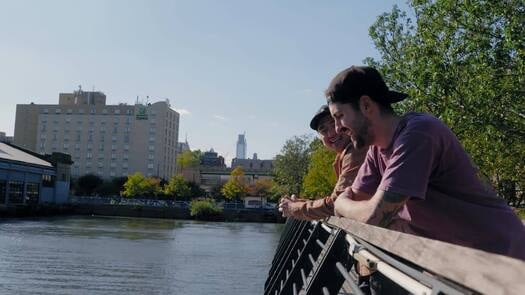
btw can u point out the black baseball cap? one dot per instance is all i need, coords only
(321, 113)
(357, 81)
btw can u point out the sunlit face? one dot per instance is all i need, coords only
(352, 123)
(330, 138)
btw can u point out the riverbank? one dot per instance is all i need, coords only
(227, 215)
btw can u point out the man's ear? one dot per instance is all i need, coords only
(365, 105)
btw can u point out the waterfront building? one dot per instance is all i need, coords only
(5, 138)
(27, 178)
(253, 164)
(106, 140)
(212, 159)
(241, 147)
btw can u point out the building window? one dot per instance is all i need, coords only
(48, 180)
(16, 192)
(151, 148)
(93, 111)
(89, 155)
(113, 164)
(57, 111)
(2, 191)
(126, 147)
(117, 111)
(104, 111)
(81, 111)
(113, 138)
(113, 156)
(45, 111)
(151, 156)
(150, 166)
(69, 111)
(32, 192)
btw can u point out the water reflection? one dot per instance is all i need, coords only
(106, 255)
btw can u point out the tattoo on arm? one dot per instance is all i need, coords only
(388, 206)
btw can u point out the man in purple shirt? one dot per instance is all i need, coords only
(416, 177)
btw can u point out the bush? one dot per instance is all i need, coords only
(204, 208)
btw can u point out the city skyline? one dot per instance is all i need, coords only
(225, 67)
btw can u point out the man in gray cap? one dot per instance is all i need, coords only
(416, 177)
(346, 165)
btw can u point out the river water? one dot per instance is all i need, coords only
(108, 255)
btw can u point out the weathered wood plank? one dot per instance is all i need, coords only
(478, 270)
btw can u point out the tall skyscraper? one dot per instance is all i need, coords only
(241, 147)
(107, 140)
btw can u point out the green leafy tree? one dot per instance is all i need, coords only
(236, 186)
(320, 179)
(178, 188)
(261, 187)
(291, 165)
(138, 185)
(88, 183)
(189, 159)
(463, 61)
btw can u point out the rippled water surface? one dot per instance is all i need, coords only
(106, 255)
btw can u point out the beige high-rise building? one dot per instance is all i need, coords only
(107, 140)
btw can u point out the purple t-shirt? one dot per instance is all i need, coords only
(448, 201)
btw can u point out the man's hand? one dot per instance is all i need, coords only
(288, 206)
(341, 200)
(380, 210)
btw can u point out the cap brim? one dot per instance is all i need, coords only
(394, 96)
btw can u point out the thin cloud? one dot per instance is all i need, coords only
(222, 118)
(183, 112)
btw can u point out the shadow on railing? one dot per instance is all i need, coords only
(320, 258)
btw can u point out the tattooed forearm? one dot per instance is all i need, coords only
(388, 205)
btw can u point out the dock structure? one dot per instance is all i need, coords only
(321, 258)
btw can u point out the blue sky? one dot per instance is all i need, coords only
(229, 67)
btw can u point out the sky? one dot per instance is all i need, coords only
(228, 67)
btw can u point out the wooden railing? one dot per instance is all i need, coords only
(481, 271)
(319, 258)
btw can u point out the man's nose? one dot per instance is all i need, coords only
(338, 127)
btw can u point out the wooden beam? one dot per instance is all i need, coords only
(475, 269)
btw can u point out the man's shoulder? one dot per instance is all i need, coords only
(353, 155)
(421, 122)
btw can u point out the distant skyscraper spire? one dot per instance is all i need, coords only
(241, 146)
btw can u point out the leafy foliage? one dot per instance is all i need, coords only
(178, 188)
(88, 183)
(463, 61)
(204, 208)
(291, 164)
(138, 185)
(320, 179)
(261, 187)
(236, 186)
(189, 159)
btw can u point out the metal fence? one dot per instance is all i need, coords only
(315, 258)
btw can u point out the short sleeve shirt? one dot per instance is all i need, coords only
(448, 201)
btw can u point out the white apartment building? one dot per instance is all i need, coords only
(106, 140)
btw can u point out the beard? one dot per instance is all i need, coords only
(362, 136)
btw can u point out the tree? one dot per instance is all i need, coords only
(88, 183)
(236, 186)
(320, 178)
(195, 190)
(260, 188)
(292, 163)
(138, 185)
(178, 188)
(189, 159)
(463, 61)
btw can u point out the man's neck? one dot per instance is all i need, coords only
(385, 129)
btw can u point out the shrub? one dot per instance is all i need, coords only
(204, 208)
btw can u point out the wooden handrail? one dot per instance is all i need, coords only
(475, 269)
